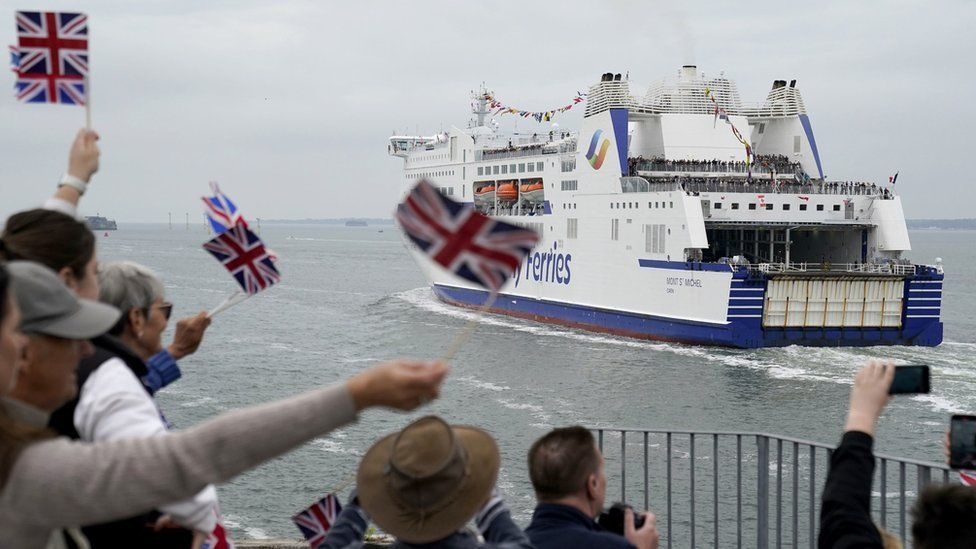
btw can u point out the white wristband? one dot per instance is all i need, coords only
(72, 181)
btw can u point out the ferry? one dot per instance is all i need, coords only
(685, 215)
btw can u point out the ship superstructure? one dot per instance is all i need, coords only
(686, 215)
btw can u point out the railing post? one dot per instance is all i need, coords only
(762, 492)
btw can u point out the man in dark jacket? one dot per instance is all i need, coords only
(567, 472)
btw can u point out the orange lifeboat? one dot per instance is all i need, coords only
(532, 191)
(507, 191)
(529, 187)
(485, 194)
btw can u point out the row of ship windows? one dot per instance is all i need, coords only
(511, 168)
(636, 205)
(655, 235)
(569, 206)
(428, 157)
(752, 206)
(428, 174)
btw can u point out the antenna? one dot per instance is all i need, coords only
(170, 214)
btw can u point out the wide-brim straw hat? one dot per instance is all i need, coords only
(427, 481)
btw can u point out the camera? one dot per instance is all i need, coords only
(612, 520)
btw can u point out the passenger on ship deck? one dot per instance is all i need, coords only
(48, 483)
(944, 515)
(423, 485)
(570, 482)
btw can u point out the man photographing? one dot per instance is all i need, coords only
(570, 482)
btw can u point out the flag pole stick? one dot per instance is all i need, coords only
(233, 299)
(469, 328)
(87, 103)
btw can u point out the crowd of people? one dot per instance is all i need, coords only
(87, 458)
(760, 164)
(693, 185)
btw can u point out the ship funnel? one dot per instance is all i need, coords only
(689, 72)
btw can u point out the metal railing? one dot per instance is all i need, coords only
(745, 489)
(901, 269)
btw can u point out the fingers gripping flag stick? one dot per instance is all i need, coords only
(315, 521)
(464, 241)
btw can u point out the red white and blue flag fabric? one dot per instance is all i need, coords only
(244, 255)
(463, 240)
(218, 539)
(893, 178)
(315, 521)
(220, 211)
(968, 478)
(52, 57)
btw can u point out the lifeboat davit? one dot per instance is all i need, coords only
(507, 191)
(485, 194)
(532, 192)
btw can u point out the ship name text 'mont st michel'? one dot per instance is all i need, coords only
(654, 225)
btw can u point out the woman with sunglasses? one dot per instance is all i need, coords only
(115, 399)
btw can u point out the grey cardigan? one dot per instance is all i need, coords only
(60, 483)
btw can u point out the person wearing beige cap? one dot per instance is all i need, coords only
(58, 326)
(423, 485)
(49, 484)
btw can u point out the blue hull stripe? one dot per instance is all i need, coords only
(744, 328)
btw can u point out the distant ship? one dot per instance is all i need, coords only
(660, 221)
(99, 223)
(356, 223)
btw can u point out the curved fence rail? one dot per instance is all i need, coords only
(745, 489)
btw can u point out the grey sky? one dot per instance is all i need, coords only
(289, 104)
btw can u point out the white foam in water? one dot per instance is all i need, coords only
(236, 522)
(474, 382)
(332, 446)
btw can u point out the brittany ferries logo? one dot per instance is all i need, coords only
(596, 158)
(550, 266)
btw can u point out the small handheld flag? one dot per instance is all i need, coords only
(458, 237)
(315, 521)
(968, 478)
(52, 57)
(893, 178)
(244, 255)
(220, 211)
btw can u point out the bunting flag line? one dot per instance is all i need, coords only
(52, 57)
(721, 113)
(539, 116)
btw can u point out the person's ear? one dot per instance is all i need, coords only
(137, 319)
(27, 359)
(592, 486)
(68, 277)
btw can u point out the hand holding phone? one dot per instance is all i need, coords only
(962, 442)
(910, 380)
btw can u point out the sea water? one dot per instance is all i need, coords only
(351, 297)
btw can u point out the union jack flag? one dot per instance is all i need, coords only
(221, 212)
(52, 57)
(244, 255)
(315, 521)
(218, 539)
(468, 243)
(14, 58)
(968, 478)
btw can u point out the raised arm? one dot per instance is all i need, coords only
(61, 483)
(845, 517)
(82, 164)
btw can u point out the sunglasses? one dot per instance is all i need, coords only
(166, 309)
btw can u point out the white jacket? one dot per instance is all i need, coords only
(113, 405)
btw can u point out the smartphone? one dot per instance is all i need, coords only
(962, 442)
(910, 380)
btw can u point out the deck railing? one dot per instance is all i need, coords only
(901, 269)
(745, 489)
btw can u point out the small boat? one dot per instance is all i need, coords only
(485, 194)
(507, 192)
(532, 192)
